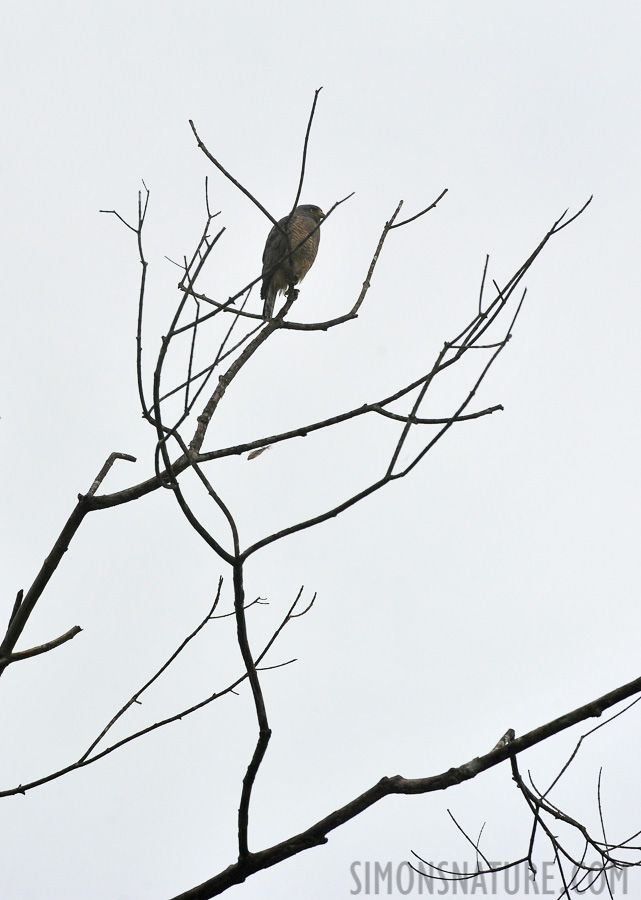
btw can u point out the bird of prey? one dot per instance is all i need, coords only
(279, 268)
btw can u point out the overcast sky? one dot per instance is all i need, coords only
(496, 587)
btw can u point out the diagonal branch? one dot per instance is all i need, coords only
(228, 175)
(316, 835)
(24, 605)
(135, 698)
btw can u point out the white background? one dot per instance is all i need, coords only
(496, 587)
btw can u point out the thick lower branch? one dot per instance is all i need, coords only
(316, 835)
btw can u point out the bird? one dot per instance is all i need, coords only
(279, 268)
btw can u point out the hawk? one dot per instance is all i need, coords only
(278, 274)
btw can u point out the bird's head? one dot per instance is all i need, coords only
(310, 210)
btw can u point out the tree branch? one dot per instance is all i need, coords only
(87, 760)
(41, 648)
(316, 834)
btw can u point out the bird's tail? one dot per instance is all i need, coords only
(268, 306)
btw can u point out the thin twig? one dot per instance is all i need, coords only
(305, 145)
(100, 477)
(422, 212)
(228, 175)
(135, 697)
(43, 648)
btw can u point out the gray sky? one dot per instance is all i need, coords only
(497, 587)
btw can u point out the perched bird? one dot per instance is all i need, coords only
(277, 271)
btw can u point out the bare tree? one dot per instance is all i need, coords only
(182, 413)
